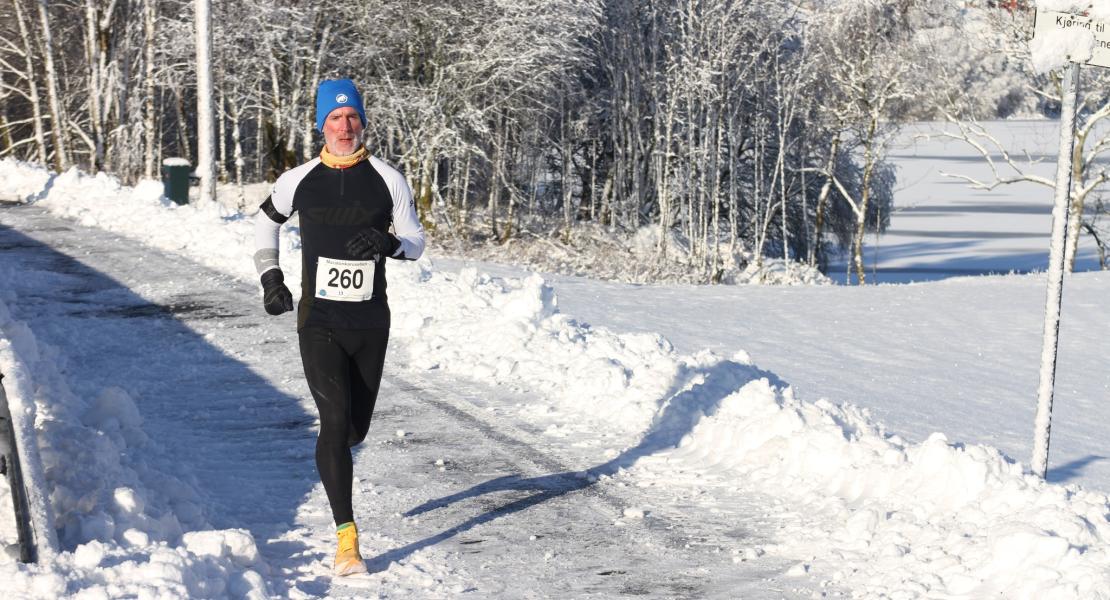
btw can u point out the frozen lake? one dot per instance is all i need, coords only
(942, 227)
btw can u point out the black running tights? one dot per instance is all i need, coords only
(343, 369)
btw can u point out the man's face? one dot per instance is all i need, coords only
(342, 131)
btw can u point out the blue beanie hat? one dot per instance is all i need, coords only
(336, 93)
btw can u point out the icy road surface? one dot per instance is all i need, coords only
(454, 492)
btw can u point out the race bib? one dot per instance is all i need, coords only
(344, 280)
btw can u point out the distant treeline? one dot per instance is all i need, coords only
(734, 126)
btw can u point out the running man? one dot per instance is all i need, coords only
(347, 201)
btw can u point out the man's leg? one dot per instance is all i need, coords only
(367, 362)
(326, 367)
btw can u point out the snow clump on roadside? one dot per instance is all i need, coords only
(893, 519)
(23, 182)
(125, 525)
(508, 332)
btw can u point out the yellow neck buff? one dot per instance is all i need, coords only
(343, 162)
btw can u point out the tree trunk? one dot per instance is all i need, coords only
(593, 180)
(565, 147)
(426, 191)
(865, 197)
(1078, 202)
(183, 145)
(95, 83)
(32, 84)
(1099, 243)
(494, 198)
(734, 152)
(259, 141)
(57, 116)
(237, 150)
(276, 127)
(715, 266)
(783, 194)
(221, 134)
(508, 229)
(309, 150)
(663, 147)
(817, 257)
(464, 194)
(805, 196)
(150, 134)
(495, 179)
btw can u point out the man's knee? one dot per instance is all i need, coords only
(355, 438)
(334, 429)
(356, 433)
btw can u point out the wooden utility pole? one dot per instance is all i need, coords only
(206, 164)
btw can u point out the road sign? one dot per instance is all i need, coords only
(1049, 22)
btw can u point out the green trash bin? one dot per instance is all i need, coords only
(175, 179)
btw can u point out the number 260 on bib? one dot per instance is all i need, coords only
(344, 280)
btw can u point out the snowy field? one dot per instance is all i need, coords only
(557, 436)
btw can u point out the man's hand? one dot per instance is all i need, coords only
(369, 243)
(275, 295)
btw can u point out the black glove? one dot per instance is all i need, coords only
(275, 295)
(369, 243)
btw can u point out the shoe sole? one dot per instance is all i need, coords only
(351, 567)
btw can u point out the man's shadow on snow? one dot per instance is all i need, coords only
(699, 392)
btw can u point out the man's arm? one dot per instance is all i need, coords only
(406, 225)
(275, 211)
(267, 239)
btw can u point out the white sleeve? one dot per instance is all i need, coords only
(406, 225)
(277, 209)
(266, 238)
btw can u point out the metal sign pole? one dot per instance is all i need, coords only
(1055, 294)
(14, 471)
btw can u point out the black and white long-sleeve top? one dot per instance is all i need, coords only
(339, 290)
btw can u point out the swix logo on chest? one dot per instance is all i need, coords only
(338, 215)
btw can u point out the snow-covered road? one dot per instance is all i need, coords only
(454, 492)
(518, 443)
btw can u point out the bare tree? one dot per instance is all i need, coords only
(57, 117)
(29, 75)
(1043, 91)
(1089, 171)
(869, 77)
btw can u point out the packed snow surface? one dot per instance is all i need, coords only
(855, 509)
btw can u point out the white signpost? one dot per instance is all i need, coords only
(1050, 24)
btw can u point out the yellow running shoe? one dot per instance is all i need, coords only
(348, 560)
